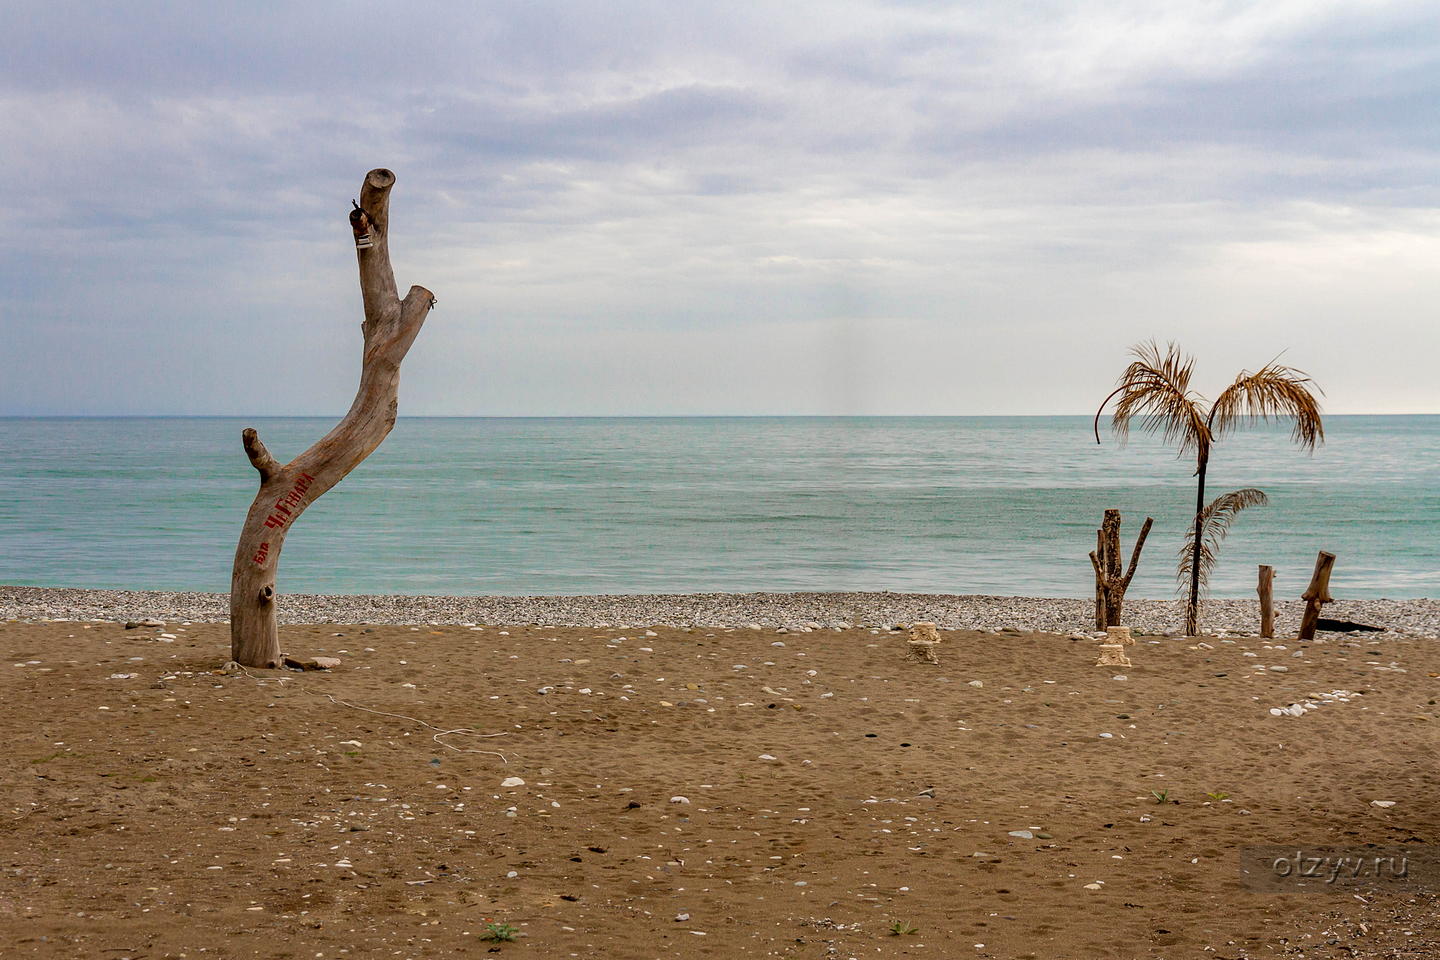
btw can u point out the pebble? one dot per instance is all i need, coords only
(679, 799)
(512, 782)
(977, 683)
(1022, 834)
(1382, 803)
(948, 611)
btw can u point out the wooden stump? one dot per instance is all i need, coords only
(390, 327)
(1316, 595)
(1111, 581)
(1266, 590)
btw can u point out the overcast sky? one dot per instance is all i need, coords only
(673, 208)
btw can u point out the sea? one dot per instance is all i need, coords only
(519, 506)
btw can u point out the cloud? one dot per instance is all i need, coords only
(834, 191)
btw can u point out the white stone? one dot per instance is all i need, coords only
(512, 782)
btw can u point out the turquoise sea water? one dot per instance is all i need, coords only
(996, 505)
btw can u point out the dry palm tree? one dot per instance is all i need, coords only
(1155, 390)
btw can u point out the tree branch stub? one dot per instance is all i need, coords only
(1111, 580)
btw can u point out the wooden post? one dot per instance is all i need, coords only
(390, 327)
(1266, 590)
(1317, 594)
(1110, 581)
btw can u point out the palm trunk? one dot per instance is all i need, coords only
(1192, 609)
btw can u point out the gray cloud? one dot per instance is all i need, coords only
(623, 201)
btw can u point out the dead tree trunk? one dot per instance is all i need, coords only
(1266, 589)
(1317, 594)
(1111, 581)
(390, 327)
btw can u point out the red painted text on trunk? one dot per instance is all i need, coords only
(289, 505)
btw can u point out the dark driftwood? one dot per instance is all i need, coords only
(390, 327)
(1316, 595)
(1111, 581)
(1266, 590)
(1346, 626)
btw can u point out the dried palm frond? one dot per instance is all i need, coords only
(1215, 523)
(1156, 390)
(1273, 392)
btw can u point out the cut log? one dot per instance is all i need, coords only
(1110, 581)
(286, 490)
(1316, 595)
(1266, 590)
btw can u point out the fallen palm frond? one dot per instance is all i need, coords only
(1215, 522)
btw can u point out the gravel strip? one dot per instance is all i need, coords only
(771, 610)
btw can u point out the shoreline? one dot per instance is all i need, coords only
(795, 611)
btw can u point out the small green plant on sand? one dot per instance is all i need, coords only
(900, 928)
(1218, 795)
(1161, 796)
(498, 932)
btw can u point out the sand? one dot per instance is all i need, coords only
(155, 807)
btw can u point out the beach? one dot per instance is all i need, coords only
(799, 611)
(710, 775)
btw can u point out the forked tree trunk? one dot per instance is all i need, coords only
(1111, 581)
(390, 327)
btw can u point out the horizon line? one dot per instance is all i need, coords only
(596, 416)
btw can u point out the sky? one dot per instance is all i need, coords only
(660, 208)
